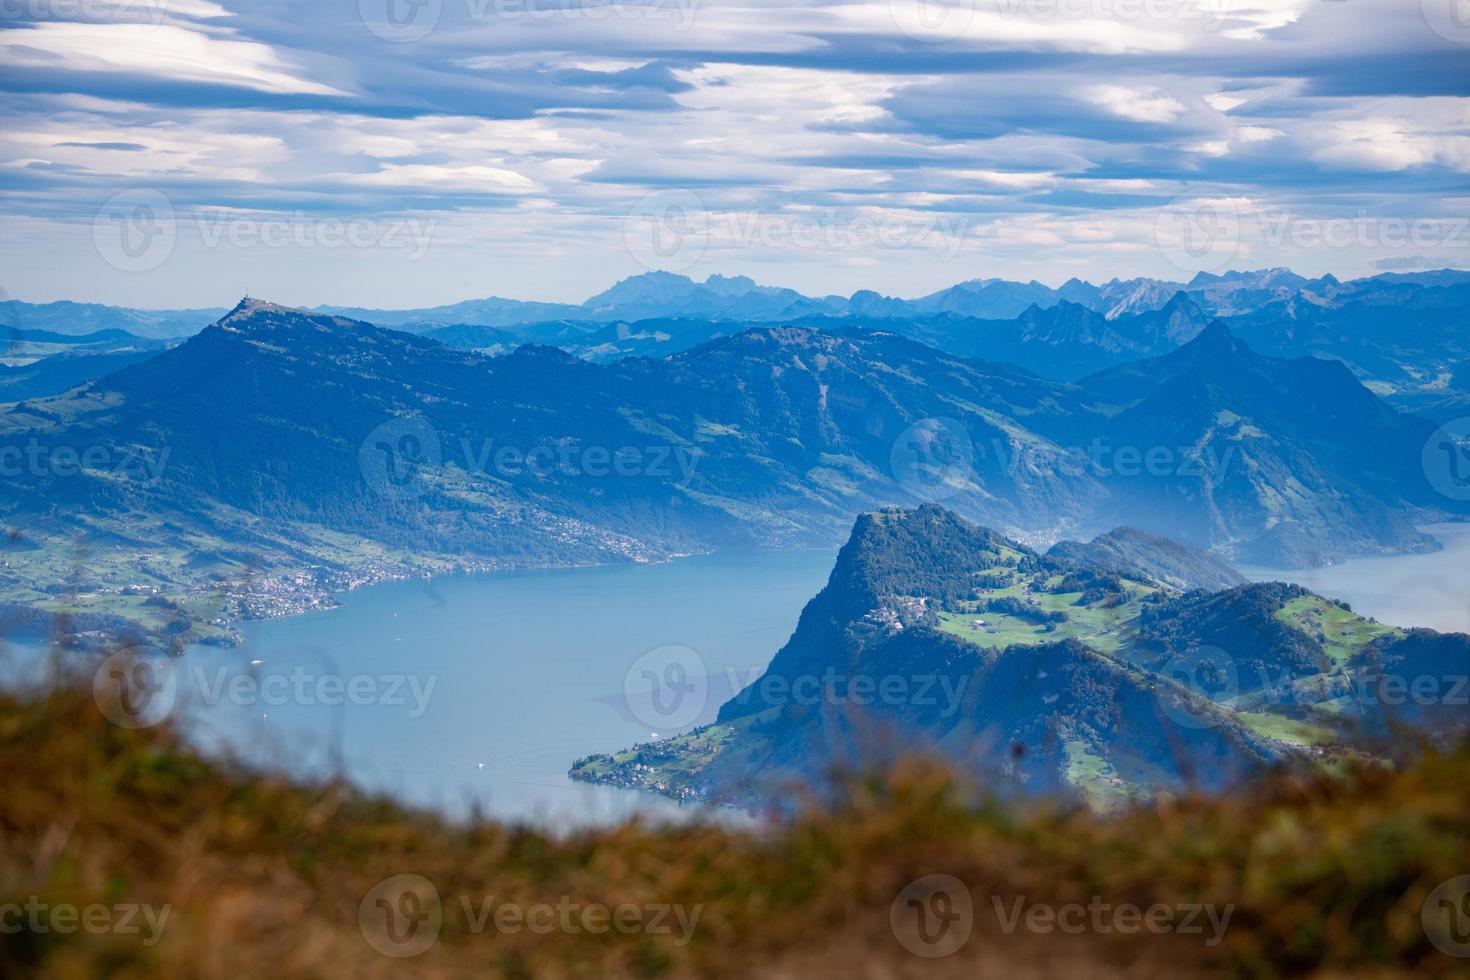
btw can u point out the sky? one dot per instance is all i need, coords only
(408, 153)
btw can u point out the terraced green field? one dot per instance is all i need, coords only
(1344, 634)
(1283, 729)
(1104, 626)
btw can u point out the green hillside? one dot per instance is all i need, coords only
(1064, 672)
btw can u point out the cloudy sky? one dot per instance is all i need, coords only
(413, 152)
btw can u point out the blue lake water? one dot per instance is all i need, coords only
(483, 689)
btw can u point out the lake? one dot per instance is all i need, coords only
(482, 690)
(1413, 590)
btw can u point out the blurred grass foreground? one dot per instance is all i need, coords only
(126, 853)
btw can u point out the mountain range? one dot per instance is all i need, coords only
(739, 298)
(304, 452)
(35, 363)
(1401, 334)
(1094, 669)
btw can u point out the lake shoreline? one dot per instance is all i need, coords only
(315, 599)
(1407, 591)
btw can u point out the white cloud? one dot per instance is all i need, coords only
(1014, 180)
(1138, 104)
(163, 51)
(1255, 134)
(476, 179)
(1255, 18)
(1394, 134)
(1012, 24)
(1224, 101)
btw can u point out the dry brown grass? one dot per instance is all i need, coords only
(264, 878)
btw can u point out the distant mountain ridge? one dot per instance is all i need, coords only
(37, 363)
(1401, 333)
(664, 294)
(65, 317)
